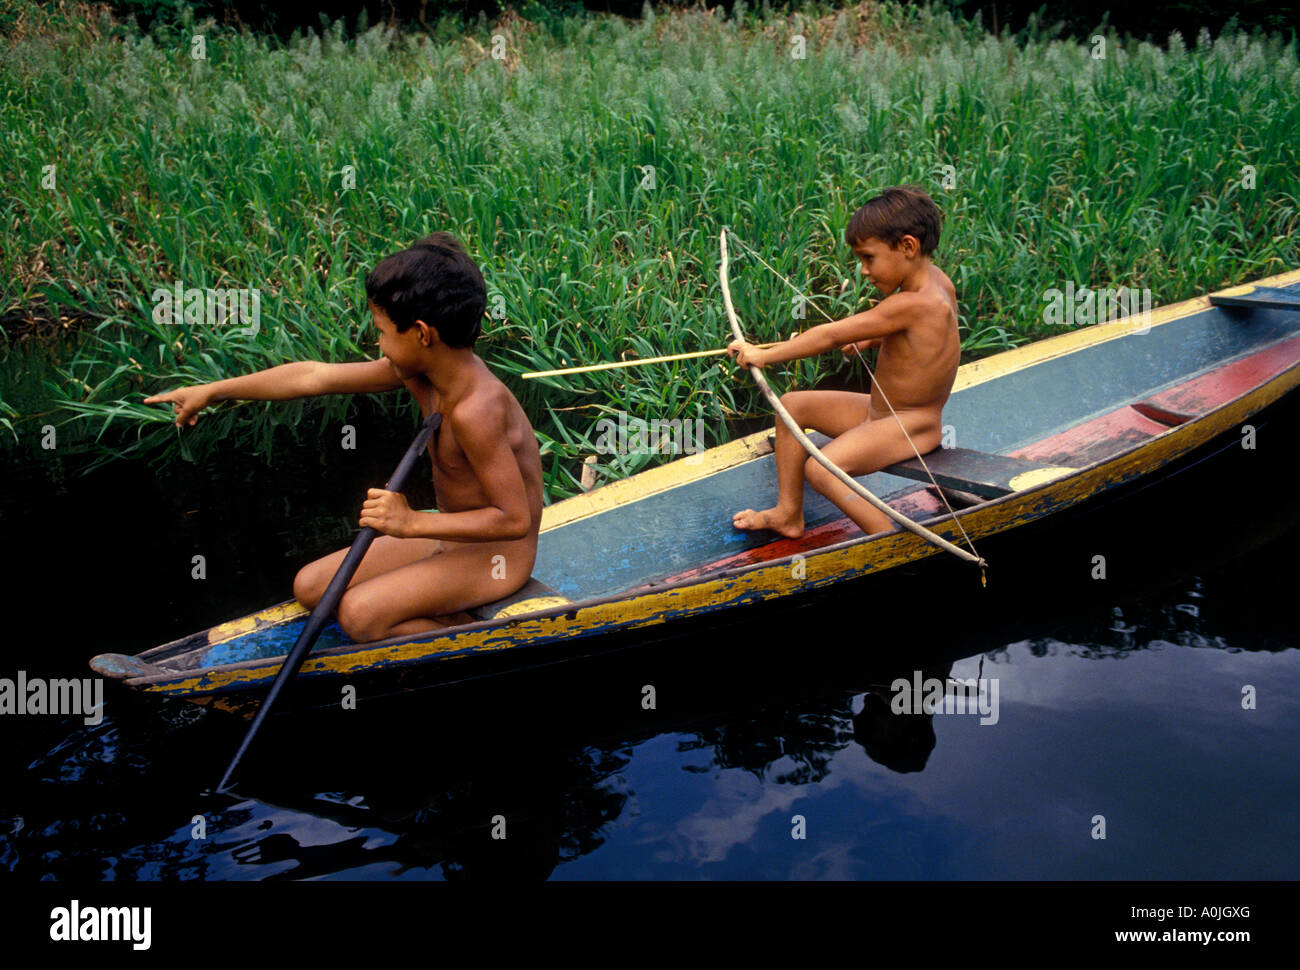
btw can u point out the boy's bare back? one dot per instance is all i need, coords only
(917, 365)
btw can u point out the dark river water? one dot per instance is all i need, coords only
(1158, 706)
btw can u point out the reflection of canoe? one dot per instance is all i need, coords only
(1037, 430)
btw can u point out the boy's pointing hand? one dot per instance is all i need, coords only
(186, 402)
(387, 512)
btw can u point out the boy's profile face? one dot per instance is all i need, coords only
(883, 266)
(401, 349)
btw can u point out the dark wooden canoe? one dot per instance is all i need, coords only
(1038, 430)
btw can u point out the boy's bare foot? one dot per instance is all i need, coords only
(774, 519)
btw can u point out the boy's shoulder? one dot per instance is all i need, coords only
(487, 402)
(943, 283)
(938, 297)
(918, 306)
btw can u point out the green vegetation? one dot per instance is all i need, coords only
(231, 171)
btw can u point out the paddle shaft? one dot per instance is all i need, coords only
(333, 593)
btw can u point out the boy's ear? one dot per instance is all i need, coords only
(433, 335)
(910, 246)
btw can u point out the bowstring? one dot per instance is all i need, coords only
(875, 386)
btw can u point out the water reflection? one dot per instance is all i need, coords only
(564, 763)
(1122, 698)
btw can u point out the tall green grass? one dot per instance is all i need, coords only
(1121, 171)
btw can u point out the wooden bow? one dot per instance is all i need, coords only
(811, 448)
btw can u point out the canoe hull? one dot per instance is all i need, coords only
(1095, 459)
(1037, 531)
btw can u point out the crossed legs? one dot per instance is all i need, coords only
(408, 586)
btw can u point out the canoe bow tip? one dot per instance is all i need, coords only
(118, 666)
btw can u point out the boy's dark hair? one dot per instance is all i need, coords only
(435, 281)
(895, 213)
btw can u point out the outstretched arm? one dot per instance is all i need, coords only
(304, 378)
(888, 316)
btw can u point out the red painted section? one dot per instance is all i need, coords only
(1114, 432)
(1207, 392)
(1093, 440)
(918, 504)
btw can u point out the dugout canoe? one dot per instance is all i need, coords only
(1035, 432)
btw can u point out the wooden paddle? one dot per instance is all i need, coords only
(333, 593)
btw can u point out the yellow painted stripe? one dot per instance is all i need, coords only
(1038, 476)
(272, 615)
(999, 365)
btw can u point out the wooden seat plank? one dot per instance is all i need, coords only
(1269, 297)
(533, 595)
(978, 472)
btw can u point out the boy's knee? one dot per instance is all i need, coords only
(307, 588)
(793, 400)
(928, 440)
(356, 620)
(815, 475)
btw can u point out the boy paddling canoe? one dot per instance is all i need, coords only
(427, 303)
